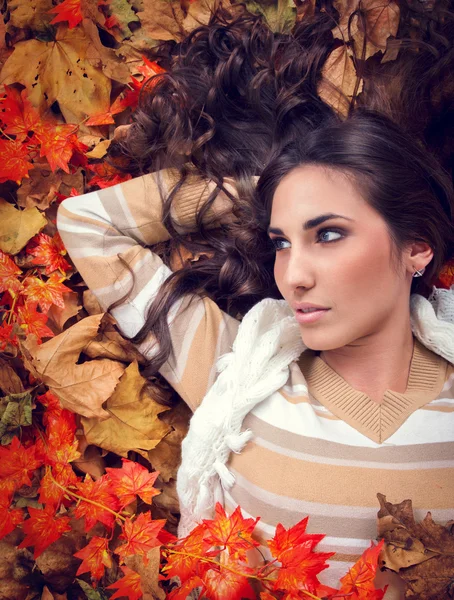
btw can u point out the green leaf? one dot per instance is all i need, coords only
(90, 592)
(279, 14)
(15, 412)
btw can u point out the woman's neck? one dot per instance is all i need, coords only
(377, 363)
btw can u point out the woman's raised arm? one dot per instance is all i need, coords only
(108, 233)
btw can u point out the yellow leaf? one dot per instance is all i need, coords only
(82, 388)
(60, 71)
(134, 423)
(17, 227)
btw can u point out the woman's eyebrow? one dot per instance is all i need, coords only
(315, 222)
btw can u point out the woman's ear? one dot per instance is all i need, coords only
(418, 256)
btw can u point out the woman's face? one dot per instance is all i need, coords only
(334, 252)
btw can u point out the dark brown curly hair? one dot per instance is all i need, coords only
(236, 95)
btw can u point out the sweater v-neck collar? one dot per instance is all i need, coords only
(376, 421)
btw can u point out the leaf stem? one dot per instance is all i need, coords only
(74, 495)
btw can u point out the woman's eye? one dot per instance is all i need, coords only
(325, 236)
(280, 244)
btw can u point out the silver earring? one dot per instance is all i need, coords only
(419, 273)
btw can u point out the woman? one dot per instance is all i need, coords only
(339, 391)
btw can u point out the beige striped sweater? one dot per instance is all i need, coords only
(320, 448)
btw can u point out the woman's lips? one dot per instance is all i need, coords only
(310, 317)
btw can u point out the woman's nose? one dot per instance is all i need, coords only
(300, 272)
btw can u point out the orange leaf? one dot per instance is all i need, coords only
(49, 492)
(52, 404)
(8, 275)
(185, 563)
(58, 143)
(10, 518)
(100, 492)
(128, 586)
(14, 163)
(95, 557)
(285, 539)
(7, 337)
(133, 480)
(68, 10)
(16, 463)
(19, 116)
(231, 532)
(43, 528)
(446, 275)
(45, 293)
(49, 252)
(222, 583)
(33, 322)
(300, 565)
(107, 175)
(141, 535)
(358, 583)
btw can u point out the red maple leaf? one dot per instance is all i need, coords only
(14, 163)
(49, 252)
(17, 462)
(7, 337)
(46, 293)
(185, 563)
(107, 175)
(358, 583)
(8, 275)
(60, 443)
(221, 583)
(133, 480)
(95, 557)
(68, 10)
(285, 539)
(58, 143)
(50, 492)
(300, 565)
(233, 532)
(52, 404)
(10, 518)
(98, 491)
(33, 322)
(128, 586)
(141, 535)
(19, 116)
(43, 528)
(445, 278)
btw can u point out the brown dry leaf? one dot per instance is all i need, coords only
(10, 382)
(18, 577)
(91, 460)
(41, 187)
(100, 150)
(17, 227)
(381, 19)
(149, 574)
(48, 595)
(160, 20)
(421, 553)
(58, 564)
(181, 257)
(58, 316)
(166, 457)
(124, 16)
(339, 80)
(134, 423)
(60, 71)
(82, 388)
(105, 58)
(91, 303)
(110, 344)
(30, 14)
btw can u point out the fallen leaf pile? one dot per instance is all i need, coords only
(88, 455)
(421, 553)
